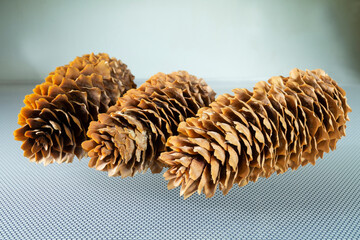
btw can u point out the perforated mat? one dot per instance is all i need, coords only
(74, 201)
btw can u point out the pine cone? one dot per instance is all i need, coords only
(289, 122)
(131, 135)
(56, 116)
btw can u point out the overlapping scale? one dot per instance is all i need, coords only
(57, 114)
(285, 123)
(131, 135)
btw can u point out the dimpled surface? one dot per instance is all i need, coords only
(74, 201)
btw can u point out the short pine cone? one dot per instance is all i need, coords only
(289, 122)
(131, 135)
(56, 116)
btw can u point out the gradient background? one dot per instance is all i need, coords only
(231, 40)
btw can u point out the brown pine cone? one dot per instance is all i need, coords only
(56, 116)
(289, 122)
(131, 135)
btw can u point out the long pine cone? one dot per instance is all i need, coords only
(131, 135)
(288, 122)
(57, 114)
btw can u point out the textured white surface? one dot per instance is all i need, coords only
(74, 201)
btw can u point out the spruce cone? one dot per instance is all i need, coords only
(289, 122)
(56, 116)
(131, 135)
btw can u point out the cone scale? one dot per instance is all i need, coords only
(57, 114)
(131, 135)
(283, 124)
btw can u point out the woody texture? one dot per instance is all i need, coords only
(283, 124)
(57, 114)
(131, 135)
